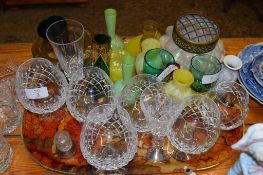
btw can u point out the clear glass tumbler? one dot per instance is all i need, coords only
(67, 39)
(6, 154)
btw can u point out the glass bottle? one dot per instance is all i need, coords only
(180, 86)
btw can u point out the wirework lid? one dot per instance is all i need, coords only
(196, 34)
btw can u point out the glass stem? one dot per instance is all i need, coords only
(157, 142)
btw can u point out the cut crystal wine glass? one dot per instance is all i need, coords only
(10, 115)
(130, 99)
(159, 110)
(197, 127)
(89, 87)
(232, 100)
(40, 86)
(108, 139)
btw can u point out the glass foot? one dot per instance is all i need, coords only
(157, 155)
(121, 171)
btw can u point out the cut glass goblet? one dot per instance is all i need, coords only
(130, 99)
(10, 115)
(159, 110)
(108, 139)
(232, 100)
(40, 86)
(89, 87)
(197, 127)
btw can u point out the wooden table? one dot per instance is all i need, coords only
(22, 162)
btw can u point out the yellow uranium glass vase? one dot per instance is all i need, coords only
(180, 86)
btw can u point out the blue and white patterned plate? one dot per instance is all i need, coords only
(246, 77)
(257, 69)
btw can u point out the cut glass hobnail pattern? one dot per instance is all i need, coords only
(130, 99)
(89, 87)
(5, 71)
(232, 100)
(10, 114)
(197, 127)
(40, 86)
(159, 109)
(108, 140)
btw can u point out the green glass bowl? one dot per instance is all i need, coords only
(156, 60)
(205, 69)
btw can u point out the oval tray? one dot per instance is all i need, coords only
(38, 133)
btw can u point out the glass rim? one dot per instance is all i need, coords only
(28, 63)
(206, 99)
(210, 56)
(153, 50)
(61, 44)
(234, 83)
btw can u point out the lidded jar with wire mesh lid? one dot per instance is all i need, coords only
(192, 34)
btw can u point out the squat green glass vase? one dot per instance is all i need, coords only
(205, 69)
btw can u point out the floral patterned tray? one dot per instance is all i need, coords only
(38, 133)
